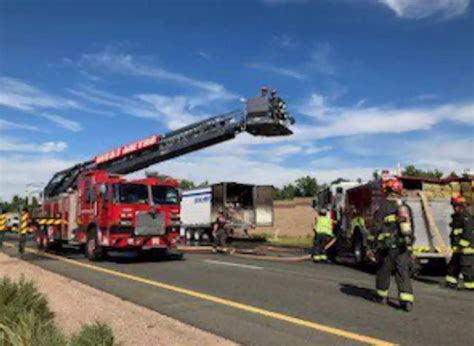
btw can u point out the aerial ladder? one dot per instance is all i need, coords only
(260, 118)
(93, 206)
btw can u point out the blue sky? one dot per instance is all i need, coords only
(372, 83)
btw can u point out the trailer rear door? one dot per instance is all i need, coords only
(263, 205)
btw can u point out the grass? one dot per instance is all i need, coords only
(97, 334)
(26, 319)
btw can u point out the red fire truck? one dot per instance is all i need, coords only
(92, 205)
(430, 222)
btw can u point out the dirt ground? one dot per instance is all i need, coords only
(132, 324)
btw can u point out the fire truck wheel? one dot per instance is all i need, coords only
(358, 249)
(94, 251)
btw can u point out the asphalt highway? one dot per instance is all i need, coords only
(273, 303)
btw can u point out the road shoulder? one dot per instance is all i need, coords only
(75, 304)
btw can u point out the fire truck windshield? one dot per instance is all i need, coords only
(131, 193)
(164, 195)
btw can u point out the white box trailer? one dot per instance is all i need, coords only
(246, 207)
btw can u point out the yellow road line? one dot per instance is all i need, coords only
(225, 302)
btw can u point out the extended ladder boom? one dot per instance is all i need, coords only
(260, 119)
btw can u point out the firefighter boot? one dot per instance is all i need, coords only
(380, 297)
(407, 306)
(380, 300)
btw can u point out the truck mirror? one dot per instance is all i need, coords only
(103, 190)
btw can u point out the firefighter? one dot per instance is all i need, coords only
(264, 91)
(3, 226)
(277, 105)
(220, 232)
(25, 224)
(462, 240)
(357, 221)
(393, 246)
(323, 235)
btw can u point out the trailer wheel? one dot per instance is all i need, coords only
(358, 250)
(189, 234)
(205, 236)
(197, 235)
(94, 252)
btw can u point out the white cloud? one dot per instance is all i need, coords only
(128, 105)
(313, 149)
(287, 72)
(425, 97)
(89, 76)
(17, 94)
(417, 9)
(280, 152)
(446, 154)
(286, 41)
(128, 65)
(226, 168)
(314, 106)
(345, 121)
(7, 125)
(195, 168)
(204, 55)
(172, 111)
(320, 61)
(18, 170)
(63, 122)
(16, 145)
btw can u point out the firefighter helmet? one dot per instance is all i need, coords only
(264, 89)
(393, 185)
(274, 91)
(458, 200)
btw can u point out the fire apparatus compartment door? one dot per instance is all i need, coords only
(263, 205)
(441, 214)
(72, 216)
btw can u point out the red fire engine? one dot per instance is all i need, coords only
(92, 205)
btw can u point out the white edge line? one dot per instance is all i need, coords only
(234, 264)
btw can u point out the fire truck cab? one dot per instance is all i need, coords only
(108, 213)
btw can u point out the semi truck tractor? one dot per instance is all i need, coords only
(93, 205)
(245, 206)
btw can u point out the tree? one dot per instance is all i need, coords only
(306, 186)
(412, 171)
(453, 175)
(302, 187)
(375, 174)
(205, 183)
(286, 192)
(186, 184)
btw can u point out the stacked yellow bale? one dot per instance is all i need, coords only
(437, 190)
(467, 191)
